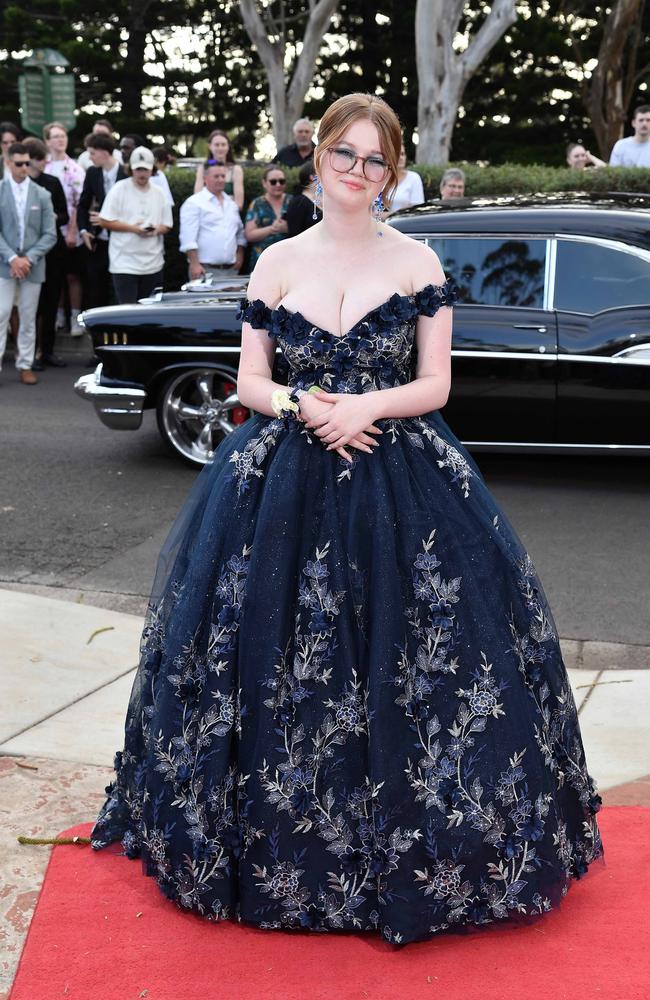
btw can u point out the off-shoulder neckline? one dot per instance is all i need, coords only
(282, 310)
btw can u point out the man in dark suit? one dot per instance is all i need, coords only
(54, 260)
(100, 178)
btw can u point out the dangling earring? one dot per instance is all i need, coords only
(317, 200)
(377, 208)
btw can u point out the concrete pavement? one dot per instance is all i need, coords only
(65, 678)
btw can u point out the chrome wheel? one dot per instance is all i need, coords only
(197, 408)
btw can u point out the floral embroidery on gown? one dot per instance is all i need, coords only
(351, 710)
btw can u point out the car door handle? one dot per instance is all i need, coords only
(530, 326)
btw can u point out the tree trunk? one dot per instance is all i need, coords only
(613, 81)
(268, 35)
(442, 73)
(134, 76)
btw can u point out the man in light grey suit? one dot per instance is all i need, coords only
(27, 232)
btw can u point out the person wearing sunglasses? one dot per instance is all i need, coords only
(266, 216)
(27, 232)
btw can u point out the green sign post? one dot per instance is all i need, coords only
(46, 94)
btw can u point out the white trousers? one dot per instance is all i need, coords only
(23, 294)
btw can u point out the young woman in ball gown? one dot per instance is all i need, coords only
(351, 711)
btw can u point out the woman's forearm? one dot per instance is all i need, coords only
(256, 233)
(255, 392)
(238, 186)
(422, 395)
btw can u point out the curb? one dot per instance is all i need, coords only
(579, 654)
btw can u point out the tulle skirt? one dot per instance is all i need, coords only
(351, 710)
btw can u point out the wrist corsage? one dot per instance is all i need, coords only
(283, 405)
(287, 404)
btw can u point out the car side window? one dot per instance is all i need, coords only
(590, 277)
(494, 272)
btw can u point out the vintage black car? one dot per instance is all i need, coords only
(551, 344)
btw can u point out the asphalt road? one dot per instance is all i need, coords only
(86, 508)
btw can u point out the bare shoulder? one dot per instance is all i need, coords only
(419, 261)
(268, 280)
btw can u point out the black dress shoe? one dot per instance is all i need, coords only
(54, 361)
(38, 366)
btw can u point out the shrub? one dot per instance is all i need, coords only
(513, 178)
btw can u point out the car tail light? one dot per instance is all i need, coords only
(239, 414)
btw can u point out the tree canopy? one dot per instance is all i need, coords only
(174, 69)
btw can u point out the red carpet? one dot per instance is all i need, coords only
(102, 931)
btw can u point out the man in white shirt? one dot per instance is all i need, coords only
(634, 150)
(27, 232)
(211, 231)
(137, 216)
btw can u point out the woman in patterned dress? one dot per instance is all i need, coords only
(265, 222)
(351, 711)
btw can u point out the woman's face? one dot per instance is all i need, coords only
(577, 158)
(274, 183)
(57, 141)
(219, 148)
(6, 141)
(352, 188)
(401, 163)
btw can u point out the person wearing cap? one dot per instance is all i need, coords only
(137, 216)
(211, 232)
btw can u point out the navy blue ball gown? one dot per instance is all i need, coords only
(351, 710)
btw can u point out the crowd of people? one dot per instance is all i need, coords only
(80, 233)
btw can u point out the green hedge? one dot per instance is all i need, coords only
(510, 178)
(513, 178)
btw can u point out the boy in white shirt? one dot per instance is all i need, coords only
(634, 150)
(137, 216)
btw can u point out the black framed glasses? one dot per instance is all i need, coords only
(344, 160)
(21, 163)
(277, 180)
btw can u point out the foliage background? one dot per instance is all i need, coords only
(174, 68)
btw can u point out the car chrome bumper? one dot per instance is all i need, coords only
(117, 407)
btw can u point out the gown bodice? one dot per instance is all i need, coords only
(375, 353)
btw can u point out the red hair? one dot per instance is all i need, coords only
(355, 107)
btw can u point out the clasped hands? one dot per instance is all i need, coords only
(340, 419)
(20, 267)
